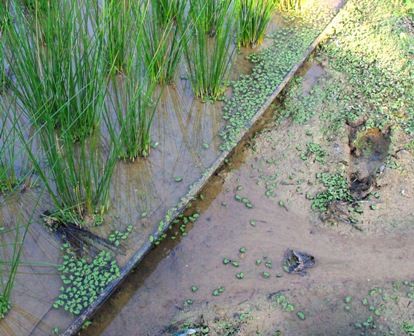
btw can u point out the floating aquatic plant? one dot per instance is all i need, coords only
(84, 280)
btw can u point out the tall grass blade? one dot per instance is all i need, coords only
(167, 10)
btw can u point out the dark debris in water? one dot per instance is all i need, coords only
(297, 262)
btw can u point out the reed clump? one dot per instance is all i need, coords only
(119, 28)
(253, 19)
(164, 36)
(58, 66)
(209, 58)
(133, 102)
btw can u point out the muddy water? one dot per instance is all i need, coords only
(154, 296)
(162, 283)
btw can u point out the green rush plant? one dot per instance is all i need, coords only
(253, 19)
(211, 13)
(134, 113)
(119, 25)
(131, 97)
(290, 5)
(33, 5)
(2, 66)
(168, 10)
(209, 59)
(59, 66)
(77, 174)
(4, 21)
(164, 37)
(4, 6)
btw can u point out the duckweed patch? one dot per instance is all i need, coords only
(283, 302)
(377, 64)
(84, 281)
(271, 65)
(117, 236)
(337, 189)
(314, 151)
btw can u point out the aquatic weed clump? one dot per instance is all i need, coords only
(337, 189)
(271, 66)
(84, 281)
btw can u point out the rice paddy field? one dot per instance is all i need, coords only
(190, 167)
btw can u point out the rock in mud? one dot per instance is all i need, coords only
(297, 262)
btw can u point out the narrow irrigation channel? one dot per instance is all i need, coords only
(313, 178)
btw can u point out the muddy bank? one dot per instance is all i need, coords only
(264, 173)
(315, 178)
